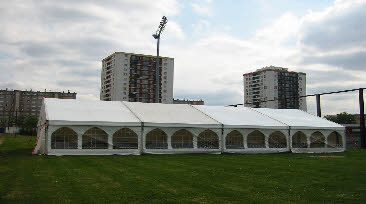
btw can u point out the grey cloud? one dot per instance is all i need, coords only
(353, 61)
(336, 75)
(83, 83)
(54, 14)
(82, 72)
(340, 30)
(38, 49)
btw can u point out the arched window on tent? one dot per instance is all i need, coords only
(335, 140)
(182, 139)
(277, 140)
(125, 138)
(95, 138)
(317, 140)
(156, 139)
(234, 140)
(299, 140)
(256, 139)
(64, 138)
(208, 140)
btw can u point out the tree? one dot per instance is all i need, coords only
(27, 124)
(342, 118)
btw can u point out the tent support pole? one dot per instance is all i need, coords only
(289, 139)
(141, 148)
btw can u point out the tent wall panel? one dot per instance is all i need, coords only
(326, 148)
(246, 132)
(169, 131)
(80, 130)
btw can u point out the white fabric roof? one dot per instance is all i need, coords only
(240, 117)
(171, 115)
(117, 113)
(76, 112)
(298, 119)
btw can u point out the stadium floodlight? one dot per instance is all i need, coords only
(156, 35)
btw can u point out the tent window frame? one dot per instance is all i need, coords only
(299, 140)
(256, 139)
(317, 140)
(234, 140)
(64, 138)
(125, 138)
(337, 142)
(182, 139)
(156, 139)
(277, 140)
(208, 139)
(95, 138)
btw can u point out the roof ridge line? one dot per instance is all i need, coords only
(269, 117)
(125, 105)
(205, 114)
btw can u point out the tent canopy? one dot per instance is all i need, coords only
(171, 115)
(76, 112)
(241, 117)
(298, 119)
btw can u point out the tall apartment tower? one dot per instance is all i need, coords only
(131, 77)
(275, 83)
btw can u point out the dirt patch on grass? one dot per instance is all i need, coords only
(327, 156)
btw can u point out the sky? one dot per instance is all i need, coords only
(59, 45)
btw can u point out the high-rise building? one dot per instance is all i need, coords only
(131, 77)
(275, 83)
(14, 103)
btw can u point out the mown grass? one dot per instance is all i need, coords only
(275, 178)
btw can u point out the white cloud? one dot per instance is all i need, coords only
(202, 9)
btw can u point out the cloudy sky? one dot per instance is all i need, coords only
(59, 45)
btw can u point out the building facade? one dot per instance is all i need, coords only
(14, 103)
(131, 77)
(186, 101)
(275, 87)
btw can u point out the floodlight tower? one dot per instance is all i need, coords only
(163, 22)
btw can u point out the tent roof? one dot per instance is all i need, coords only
(76, 112)
(298, 119)
(170, 115)
(240, 117)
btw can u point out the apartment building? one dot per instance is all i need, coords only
(14, 103)
(131, 77)
(187, 101)
(275, 83)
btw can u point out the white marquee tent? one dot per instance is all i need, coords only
(73, 127)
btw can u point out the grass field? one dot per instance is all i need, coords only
(276, 178)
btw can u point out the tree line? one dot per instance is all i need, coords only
(27, 124)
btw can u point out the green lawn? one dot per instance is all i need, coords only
(178, 178)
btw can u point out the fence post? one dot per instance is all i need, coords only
(318, 108)
(362, 119)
